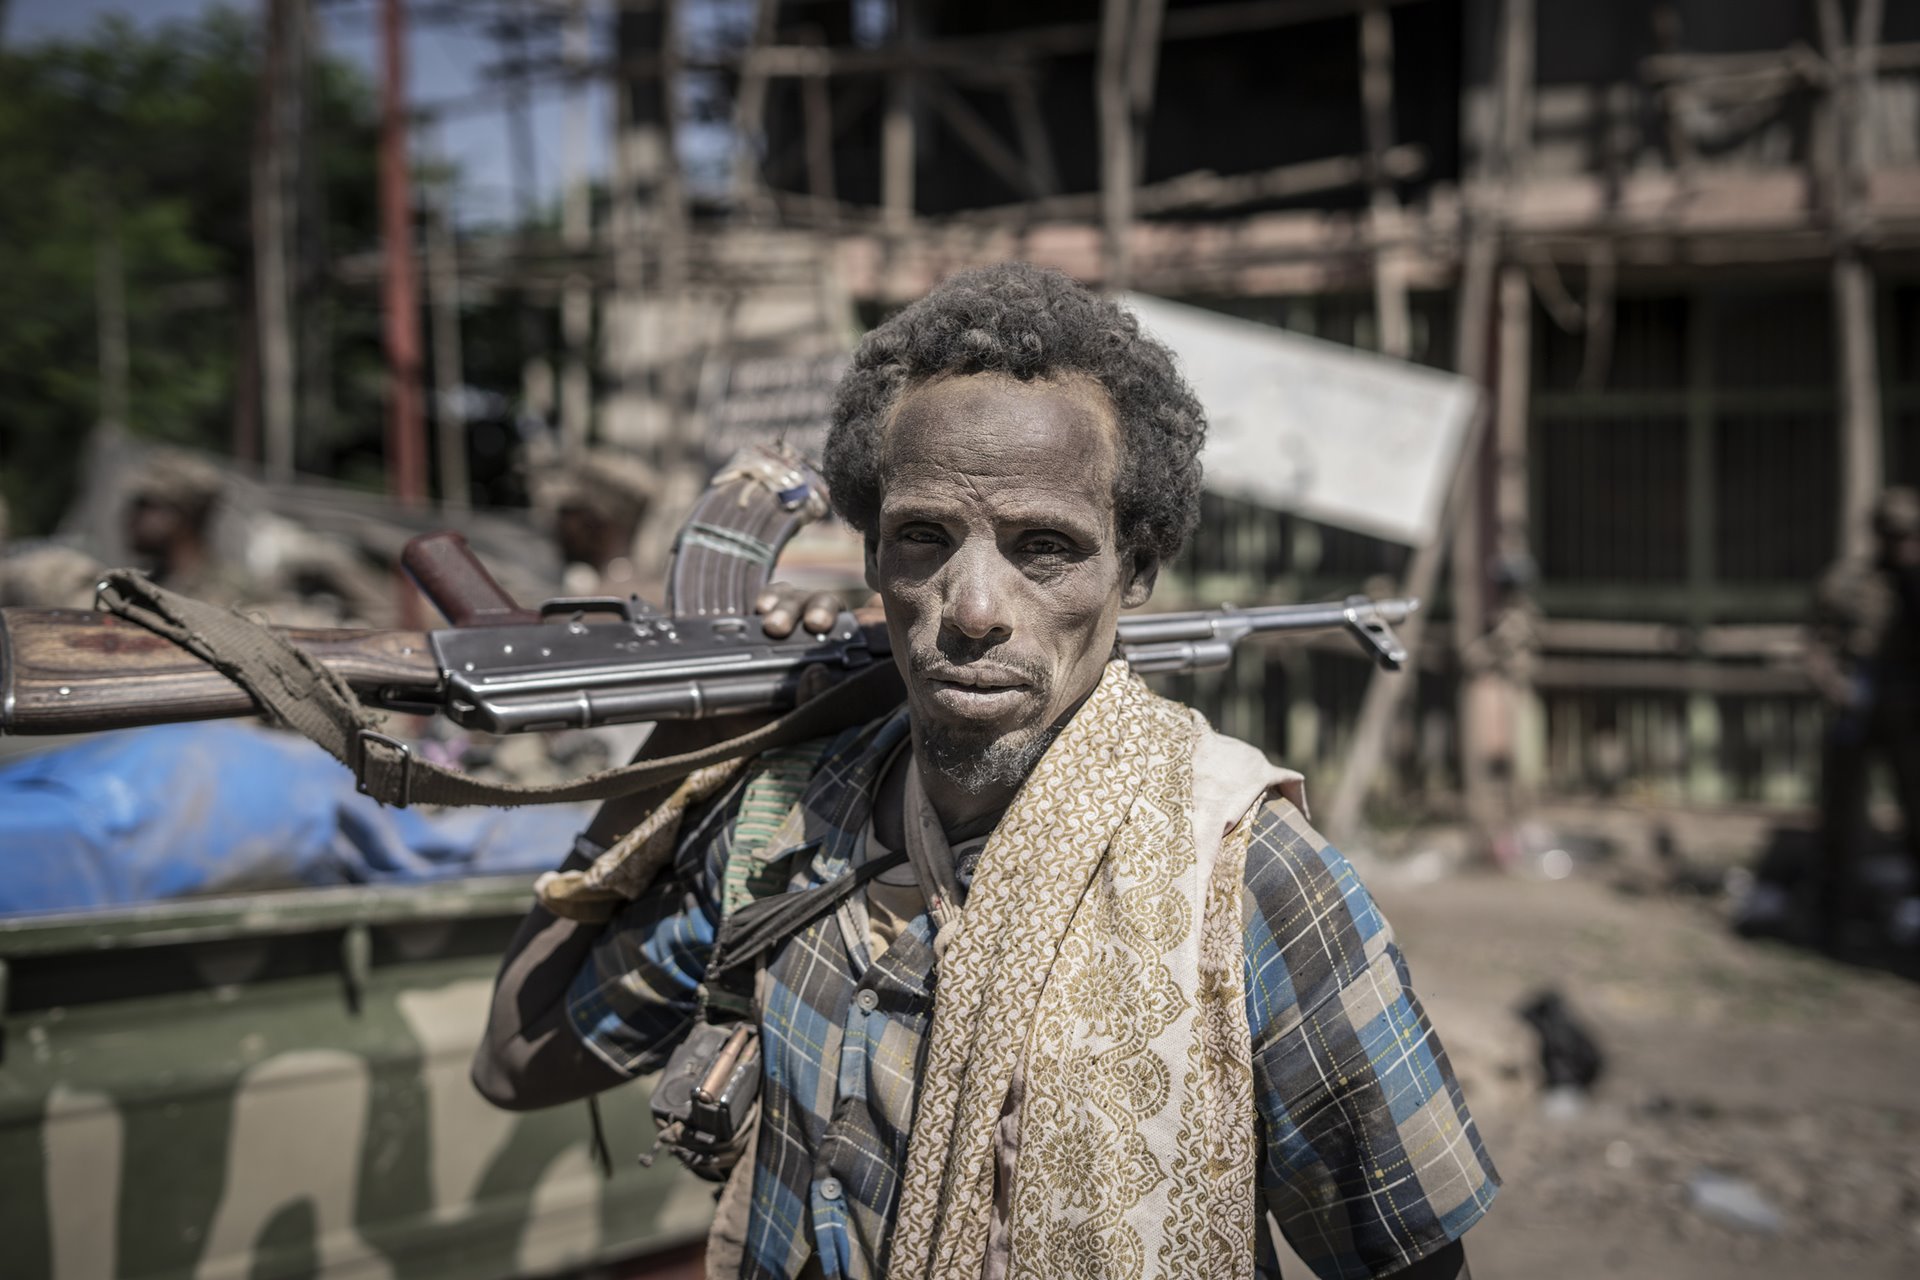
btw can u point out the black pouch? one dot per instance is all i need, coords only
(707, 1100)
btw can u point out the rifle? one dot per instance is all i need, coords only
(575, 662)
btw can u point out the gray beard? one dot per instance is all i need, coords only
(977, 764)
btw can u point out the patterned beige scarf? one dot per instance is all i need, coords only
(1095, 982)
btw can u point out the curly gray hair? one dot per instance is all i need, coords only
(1029, 322)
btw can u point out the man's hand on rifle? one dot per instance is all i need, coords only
(783, 606)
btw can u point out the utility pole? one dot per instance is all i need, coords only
(406, 443)
(1393, 325)
(1849, 145)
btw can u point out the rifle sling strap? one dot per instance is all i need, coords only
(749, 935)
(298, 692)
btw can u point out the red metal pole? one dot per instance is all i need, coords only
(406, 434)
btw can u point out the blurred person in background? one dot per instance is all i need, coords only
(262, 562)
(1864, 659)
(594, 507)
(167, 520)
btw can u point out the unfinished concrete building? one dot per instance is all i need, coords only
(1677, 241)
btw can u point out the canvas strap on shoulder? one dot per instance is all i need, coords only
(751, 934)
(297, 692)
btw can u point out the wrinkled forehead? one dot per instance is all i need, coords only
(992, 423)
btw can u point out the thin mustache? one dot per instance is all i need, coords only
(992, 675)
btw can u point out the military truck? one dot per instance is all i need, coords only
(275, 1084)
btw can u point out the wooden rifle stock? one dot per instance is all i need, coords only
(75, 671)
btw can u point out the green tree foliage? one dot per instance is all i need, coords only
(145, 136)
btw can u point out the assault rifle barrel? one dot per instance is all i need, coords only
(1204, 640)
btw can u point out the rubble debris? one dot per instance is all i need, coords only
(1682, 874)
(1569, 1055)
(1732, 1202)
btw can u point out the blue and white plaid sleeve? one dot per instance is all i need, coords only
(636, 995)
(1369, 1159)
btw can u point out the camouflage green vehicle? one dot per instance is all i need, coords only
(276, 1085)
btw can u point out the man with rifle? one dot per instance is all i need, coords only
(1165, 1009)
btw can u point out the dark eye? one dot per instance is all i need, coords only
(1044, 545)
(922, 534)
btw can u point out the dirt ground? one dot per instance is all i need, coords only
(1792, 1073)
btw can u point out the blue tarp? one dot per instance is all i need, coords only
(158, 813)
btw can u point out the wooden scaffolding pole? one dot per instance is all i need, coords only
(1853, 62)
(1127, 64)
(1143, 75)
(1457, 534)
(1203, 189)
(1503, 736)
(1477, 536)
(1393, 323)
(1023, 100)
(1512, 416)
(1461, 535)
(1860, 471)
(816, 120)
(750, 110)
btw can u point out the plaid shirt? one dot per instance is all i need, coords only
(1369, 1159)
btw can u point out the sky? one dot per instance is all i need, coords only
(446, 63)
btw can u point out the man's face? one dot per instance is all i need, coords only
(579, 534)
(152, 526)
(1900, 548)
(995, 555)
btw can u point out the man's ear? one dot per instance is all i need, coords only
(1140, 580)
(872, 560)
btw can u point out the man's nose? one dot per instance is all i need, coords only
(975, 603)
